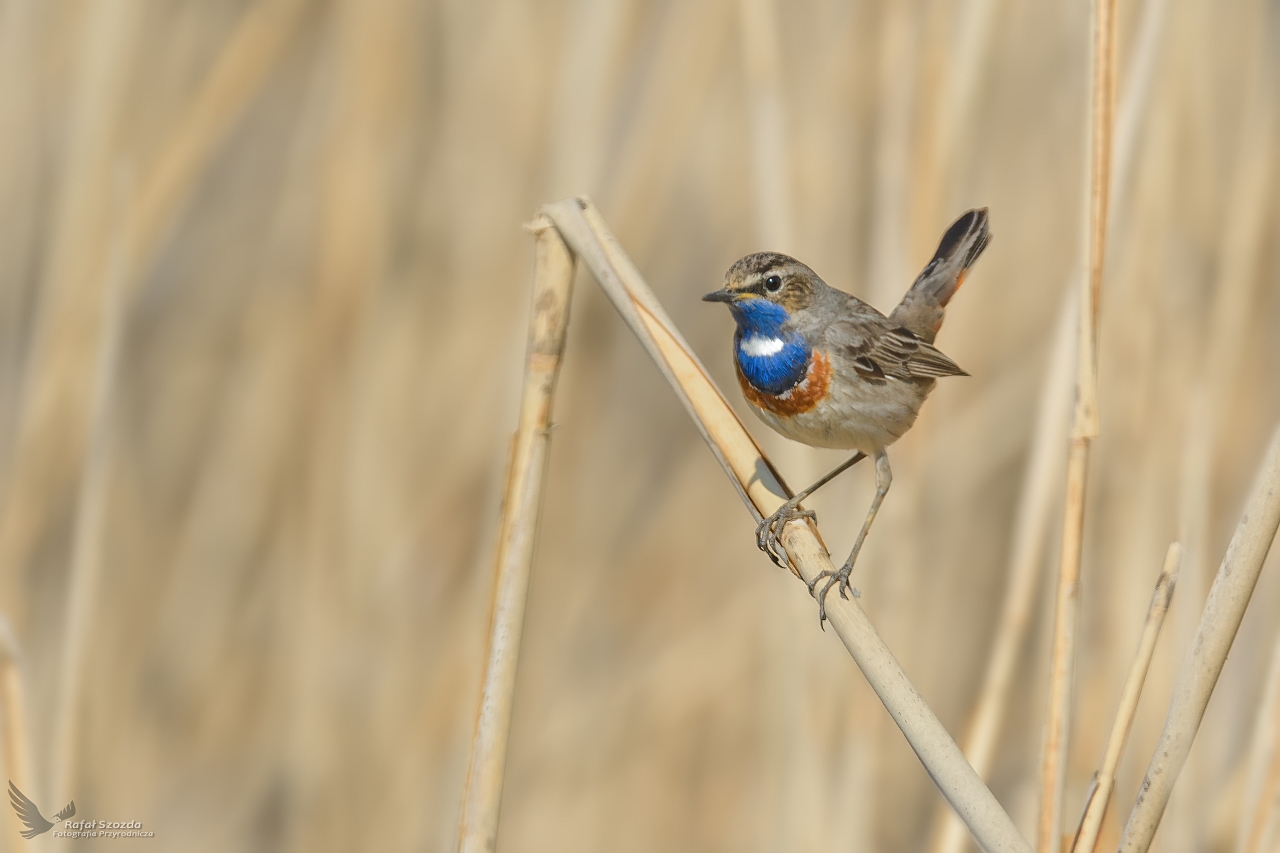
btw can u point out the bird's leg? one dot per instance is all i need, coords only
(884, 477)
(769, 530)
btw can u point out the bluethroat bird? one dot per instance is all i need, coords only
(825, 368)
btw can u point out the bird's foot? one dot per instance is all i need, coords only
(840, 580)
(769, 532)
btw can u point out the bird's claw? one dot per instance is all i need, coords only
(840, 580)
(769, 532)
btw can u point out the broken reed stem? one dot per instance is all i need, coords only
(1228, 598)
(1053, 768)
(763, 492)
(1105, 779)
(548, 321)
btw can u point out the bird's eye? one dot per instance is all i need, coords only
(773, 283)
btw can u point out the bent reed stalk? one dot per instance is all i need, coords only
(763, 491)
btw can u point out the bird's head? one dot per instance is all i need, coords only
(765, 290)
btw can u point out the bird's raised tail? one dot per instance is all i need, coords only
(924, 306)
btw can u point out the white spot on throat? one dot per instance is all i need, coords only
(758, 346)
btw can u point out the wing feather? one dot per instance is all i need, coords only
(922, 359)
(878, 349)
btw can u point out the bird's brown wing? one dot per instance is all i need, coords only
(877, 350)
(918, 359)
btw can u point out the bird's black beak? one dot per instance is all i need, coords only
(720, 296)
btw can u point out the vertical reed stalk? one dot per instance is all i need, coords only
(1030, 528)
(58, 369)
(62, 364)
(1053, 768)
(1105, 779)
(897, 95)
(238, 73)
(90, 526)
(548, 322)
(1247, 227)
(771, 172)
(1044, 460)
(970, 57)
(14, 733)
(1084, 430)
(1228, 598)
(795, 791)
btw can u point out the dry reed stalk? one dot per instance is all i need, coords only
(51, 435)
(1243, 237)
(794, 746)
(548, 322)
(1043, 465)
(53, 412)
(22, 183)
(1043, 471)
(593, 44)
(1084, 429)
(771, 172)
(898, 94)
(1246, 229)
(969, 56)
(1228, 598)
(237, 75)
(1053, 768)
(1140, 75)
(328, 347)
(691, 48)
(1262, 786)
(762, 490)
(90, 526)
(14, 734)
(1105, 779)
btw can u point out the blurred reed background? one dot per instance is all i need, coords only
(262, 300)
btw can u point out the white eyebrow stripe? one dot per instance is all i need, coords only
(758, 346)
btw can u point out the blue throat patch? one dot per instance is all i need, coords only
(760, 320)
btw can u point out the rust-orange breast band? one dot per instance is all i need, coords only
(803, 397)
